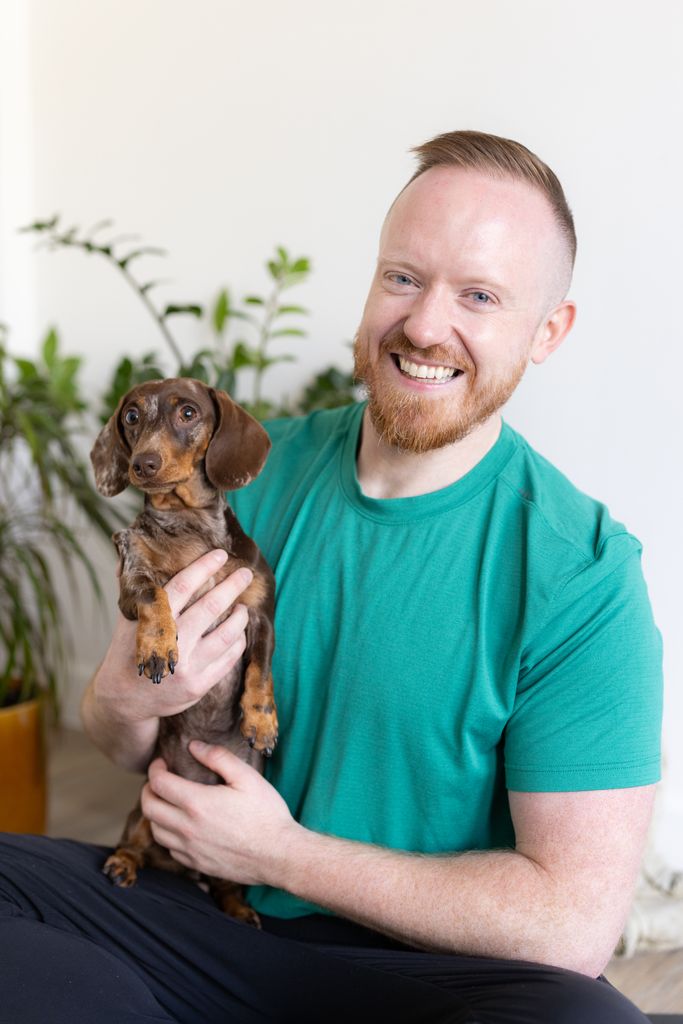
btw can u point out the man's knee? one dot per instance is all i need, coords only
(577, 999)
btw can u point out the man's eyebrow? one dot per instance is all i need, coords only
(398, 260)
(486, 283)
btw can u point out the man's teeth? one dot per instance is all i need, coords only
(422, 372)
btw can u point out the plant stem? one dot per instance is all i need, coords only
(106, 251)
(168, 337)
(271, 306)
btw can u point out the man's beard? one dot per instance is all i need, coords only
(420, 423)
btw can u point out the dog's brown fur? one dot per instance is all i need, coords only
(183, 444)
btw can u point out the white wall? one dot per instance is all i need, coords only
(218, 129)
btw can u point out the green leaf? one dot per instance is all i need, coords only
(221, 311)
(147, 250)
(327, 390)
(41, 225)
(225, 381)
(49, 350)
(291, 280)
(28, 371)
(292, 309)
(144, 288)
(254, 300)
(201, 366)
(190, 309)
(266, 361)
(295, 332)
(244, 355)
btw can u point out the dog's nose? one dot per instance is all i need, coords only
(146, 465)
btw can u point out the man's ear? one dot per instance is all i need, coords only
(238, 448)
(110, 457)
(552, 331)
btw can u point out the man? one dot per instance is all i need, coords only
(467, 674)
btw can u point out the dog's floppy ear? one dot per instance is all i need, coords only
(110, 456)
(238, 448)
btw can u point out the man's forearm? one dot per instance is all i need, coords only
(499, 903)
(128, 743)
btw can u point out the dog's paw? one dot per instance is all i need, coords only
(259, 726)
(155, 667)
(230, 898)
(156, 653)
(121, 868)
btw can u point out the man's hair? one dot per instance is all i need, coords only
(502, 158)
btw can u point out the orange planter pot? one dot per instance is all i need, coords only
(23, 788)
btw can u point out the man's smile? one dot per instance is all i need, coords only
(435, 373)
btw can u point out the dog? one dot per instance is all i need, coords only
(183, 444)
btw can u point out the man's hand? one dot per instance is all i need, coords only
(239, 831)
(120, 710)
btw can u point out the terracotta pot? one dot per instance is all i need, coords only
(23, 788)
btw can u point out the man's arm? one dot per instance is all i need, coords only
(120, 710)
(560, 898)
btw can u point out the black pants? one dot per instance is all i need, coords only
(73, 949)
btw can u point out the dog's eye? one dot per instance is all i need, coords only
(131, 417)
(187, 413)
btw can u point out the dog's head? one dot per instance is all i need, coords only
(165, 431)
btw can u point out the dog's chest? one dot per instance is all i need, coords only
(214, 719)
(160, 544)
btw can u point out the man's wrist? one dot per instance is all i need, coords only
(286, 859)
(126, 740)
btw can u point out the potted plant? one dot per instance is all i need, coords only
(45, 491)
(235, 360)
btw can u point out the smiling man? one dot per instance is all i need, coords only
(470, 279)
(467, 673)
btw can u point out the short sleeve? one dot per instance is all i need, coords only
(588, 708)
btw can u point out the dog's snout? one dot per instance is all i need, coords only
(146, 465)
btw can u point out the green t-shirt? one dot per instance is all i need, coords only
(433, 652)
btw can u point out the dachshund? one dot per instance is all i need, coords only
(183, 443)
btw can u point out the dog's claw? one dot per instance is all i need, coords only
(156, 668)
(268, 752)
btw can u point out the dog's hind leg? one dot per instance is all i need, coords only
(136, 849)
(230, 898)
(259, 724)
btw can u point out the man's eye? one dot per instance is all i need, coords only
(481, 297)
(187, 413)
(132, 417)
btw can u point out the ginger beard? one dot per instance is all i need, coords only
(420, 423)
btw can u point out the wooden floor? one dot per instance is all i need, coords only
(90, 798)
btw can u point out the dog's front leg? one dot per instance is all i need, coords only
(156, 650)
(141, 598)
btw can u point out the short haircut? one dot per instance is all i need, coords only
(501, 158)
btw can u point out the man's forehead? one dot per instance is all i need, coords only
(489, 222)
(472, 198)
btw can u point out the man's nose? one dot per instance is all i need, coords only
(146, 465)
(430, 319)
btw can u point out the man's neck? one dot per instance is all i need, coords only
(388, 472)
